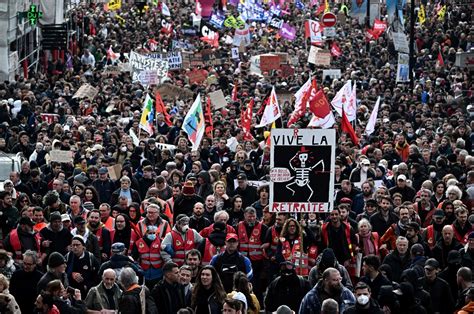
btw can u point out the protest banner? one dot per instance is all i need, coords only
(170, 92)
(403, 68)
(242, 36)
(323, 57)
(276, 23)
(196, 76)
(312, 54)
(174, 58)
(464, 60)
(148, 77)
(61, 155)
(255, 65)
(140, 63)
(217, 99)
(286, 70)
(332, 73)
(287, 32)
(86, 91)
(114, 171)
(269, 62)
(302, 170)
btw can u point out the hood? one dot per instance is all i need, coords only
(204, 175)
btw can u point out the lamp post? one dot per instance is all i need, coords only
(412, 40)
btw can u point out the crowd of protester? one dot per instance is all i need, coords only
(179, 230)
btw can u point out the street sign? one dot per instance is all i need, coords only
(329, 19)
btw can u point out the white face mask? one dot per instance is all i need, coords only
(365, 168)
(363, 299)
(185, 228)
(123, 149)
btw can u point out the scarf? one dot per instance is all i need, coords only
(367, 243)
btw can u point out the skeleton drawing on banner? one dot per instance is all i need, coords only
(303, 164)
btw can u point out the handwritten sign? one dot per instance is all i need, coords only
(269, 62)
(61, 155)
(217, 99)
(86, 91)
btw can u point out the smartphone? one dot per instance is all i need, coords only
(71, 290)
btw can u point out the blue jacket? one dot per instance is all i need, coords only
(312, 303)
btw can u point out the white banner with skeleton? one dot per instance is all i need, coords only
(302, 170)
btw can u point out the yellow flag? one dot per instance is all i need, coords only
(326, 6)
(114, 5)
(422, 14)
(442, 12)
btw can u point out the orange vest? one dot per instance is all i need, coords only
(39, 226)
(16, 245)
(250, 247)
(430, 237)
(296, 256)
(109, 223)
(325, 236)
(210, 251)
(149, 257)
(100, 238)
(182, 246)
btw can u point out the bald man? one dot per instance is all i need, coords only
(104, 296)
(445, 244)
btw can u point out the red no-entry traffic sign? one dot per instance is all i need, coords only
(329, 19)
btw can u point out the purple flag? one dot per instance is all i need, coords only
(288, 32)
(233, 2)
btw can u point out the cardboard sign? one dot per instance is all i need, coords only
(148, 77)
(113, 70)
(170, 92)
(323, 57)
(86, 91)
(464, 60)
(312, 54)
(197, 76)
(114, 171)
(286, 70)
(61, 155)
(403, 68)
(218, 99)
(269, 62)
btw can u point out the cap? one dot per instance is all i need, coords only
(432, 263)
(365, 162)
(81, 177)
(65, 217)
(405, 288)
(97, 147)
(345, 200)
(413, 225)
(55, 260)
(103, 170)
(231, 236)
(401, 177)
(88, 205)
(79, 220)
(438, 213)
(417, 250)
(26, 221)
(371, 201)
(182, 218)
(241, 176)
(454, 257)
(241, 297)
(55, 216)
(247, 162)
(79, 238)
(188, 188)
(118, 247)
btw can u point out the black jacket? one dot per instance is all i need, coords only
(379, 224)
(374, 308)
(375, 284)
(289, 291)
(441, 297)
(170, 298)
(130, 302)
(23, 288)
(397, 264)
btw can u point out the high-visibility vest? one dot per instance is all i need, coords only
(16, 245)
(250, 247)
(163, 228)
(325, 236)
(296, 256)
(458, 236)
(275, 240)
(39, 226)
(150, 257)
(430, 237)
(109, 223)
(182, 246)
(210, 251)
(100, 238)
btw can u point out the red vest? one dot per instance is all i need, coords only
(312, 254)
(210, 251)
(163, 228)
(275, 240)
(325, 236)
(376, 240)
(182, 246)
(133, 239)
(100, 238)
(430, 237)
(296, 256)
(16, 245)
(109, 223)
(149, 257)
(458, 236)
(250, 247)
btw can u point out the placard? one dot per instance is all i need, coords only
(217, 99)
(269, 62)
(332, 73)
(170, 92)
(86, 91)
(302, 170)
(61, 155)
(114, 172)
(400, 42)
(403, 68)
(312, 54)
(140, 63)
(464, 60)
(196, 76)
(148, 77)
(323, 57)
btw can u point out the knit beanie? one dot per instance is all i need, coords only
(55, 260)
(188, 188)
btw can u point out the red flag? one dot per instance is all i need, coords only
(234, 93)
(246, 120)
(160, 108)
(347, 128)
(208, 119)
(319, 105)
(262, 107)
(321, 9)
(335, 50)
(440, 61)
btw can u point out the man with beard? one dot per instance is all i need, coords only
(197, 220)
(467, 252)
(368, 190)
(329, 287)
(184, 203)
(432, 233)
(395, 230)
(193, 260)
(414, 237)
(54, 237)
(106, 295)
(424, 207)
(445, 245)
(214, 244)
(271, 241)
(288, 289)
(460, 226)
(210, 208)
(97, 228)
(382, 220)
